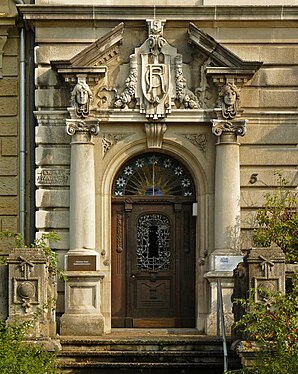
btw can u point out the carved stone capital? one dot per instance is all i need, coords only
(155, 133)
(74, 126)
(237, 128)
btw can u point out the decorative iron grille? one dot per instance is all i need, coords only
(153, 242)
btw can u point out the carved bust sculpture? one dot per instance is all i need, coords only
(229, 97)
(81, 97)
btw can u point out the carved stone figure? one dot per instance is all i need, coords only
(81, 98)
(229, 98)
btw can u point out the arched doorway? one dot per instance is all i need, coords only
(153, 244)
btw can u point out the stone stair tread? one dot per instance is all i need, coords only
(138, 364)
(136, 353)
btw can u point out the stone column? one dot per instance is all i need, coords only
(227, 186)
(82, 295)
(82, 185)
(226, 254)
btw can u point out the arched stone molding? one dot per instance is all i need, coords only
(196, 164)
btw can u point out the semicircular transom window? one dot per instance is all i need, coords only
(153, 174)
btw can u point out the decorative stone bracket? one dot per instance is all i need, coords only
(155, 132)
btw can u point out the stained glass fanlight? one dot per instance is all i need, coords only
(153, 174)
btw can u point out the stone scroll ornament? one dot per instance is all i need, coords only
(224, 127)
(78, 126)
(81, 98)
(229, 100)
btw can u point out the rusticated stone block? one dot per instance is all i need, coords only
(8, 106)
(8, 186)
(52, 219)
(9, 147)
(52, 156)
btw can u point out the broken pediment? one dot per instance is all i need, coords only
(156, 81)
(157, 84)
(102, 51)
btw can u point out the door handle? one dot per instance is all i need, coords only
(133, 275)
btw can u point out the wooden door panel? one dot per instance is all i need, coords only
(119, 295)
(153, 296)
(142, 294)
(152, 284)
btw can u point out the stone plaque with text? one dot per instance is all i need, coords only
(81, 263)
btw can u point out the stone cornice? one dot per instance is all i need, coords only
(195, 13)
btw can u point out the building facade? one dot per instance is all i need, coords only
(158, 130)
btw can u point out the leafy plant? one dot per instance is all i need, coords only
(278, 221)
(273, 327)
(17, 354)
(20, 357)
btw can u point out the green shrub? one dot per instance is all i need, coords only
(277, 221)
(273, 326)
(20, 357)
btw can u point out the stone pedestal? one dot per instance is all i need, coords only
(82, 315)
(266, 270)
(225, 277)
(82, 305)
(32, 295)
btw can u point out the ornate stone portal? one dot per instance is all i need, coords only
(155, 94)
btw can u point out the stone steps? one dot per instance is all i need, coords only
(144, 354)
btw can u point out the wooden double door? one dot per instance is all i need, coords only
(153, 263)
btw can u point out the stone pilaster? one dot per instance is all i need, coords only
(82, 305)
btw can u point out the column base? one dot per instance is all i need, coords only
(82, 325)
(82, 315)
